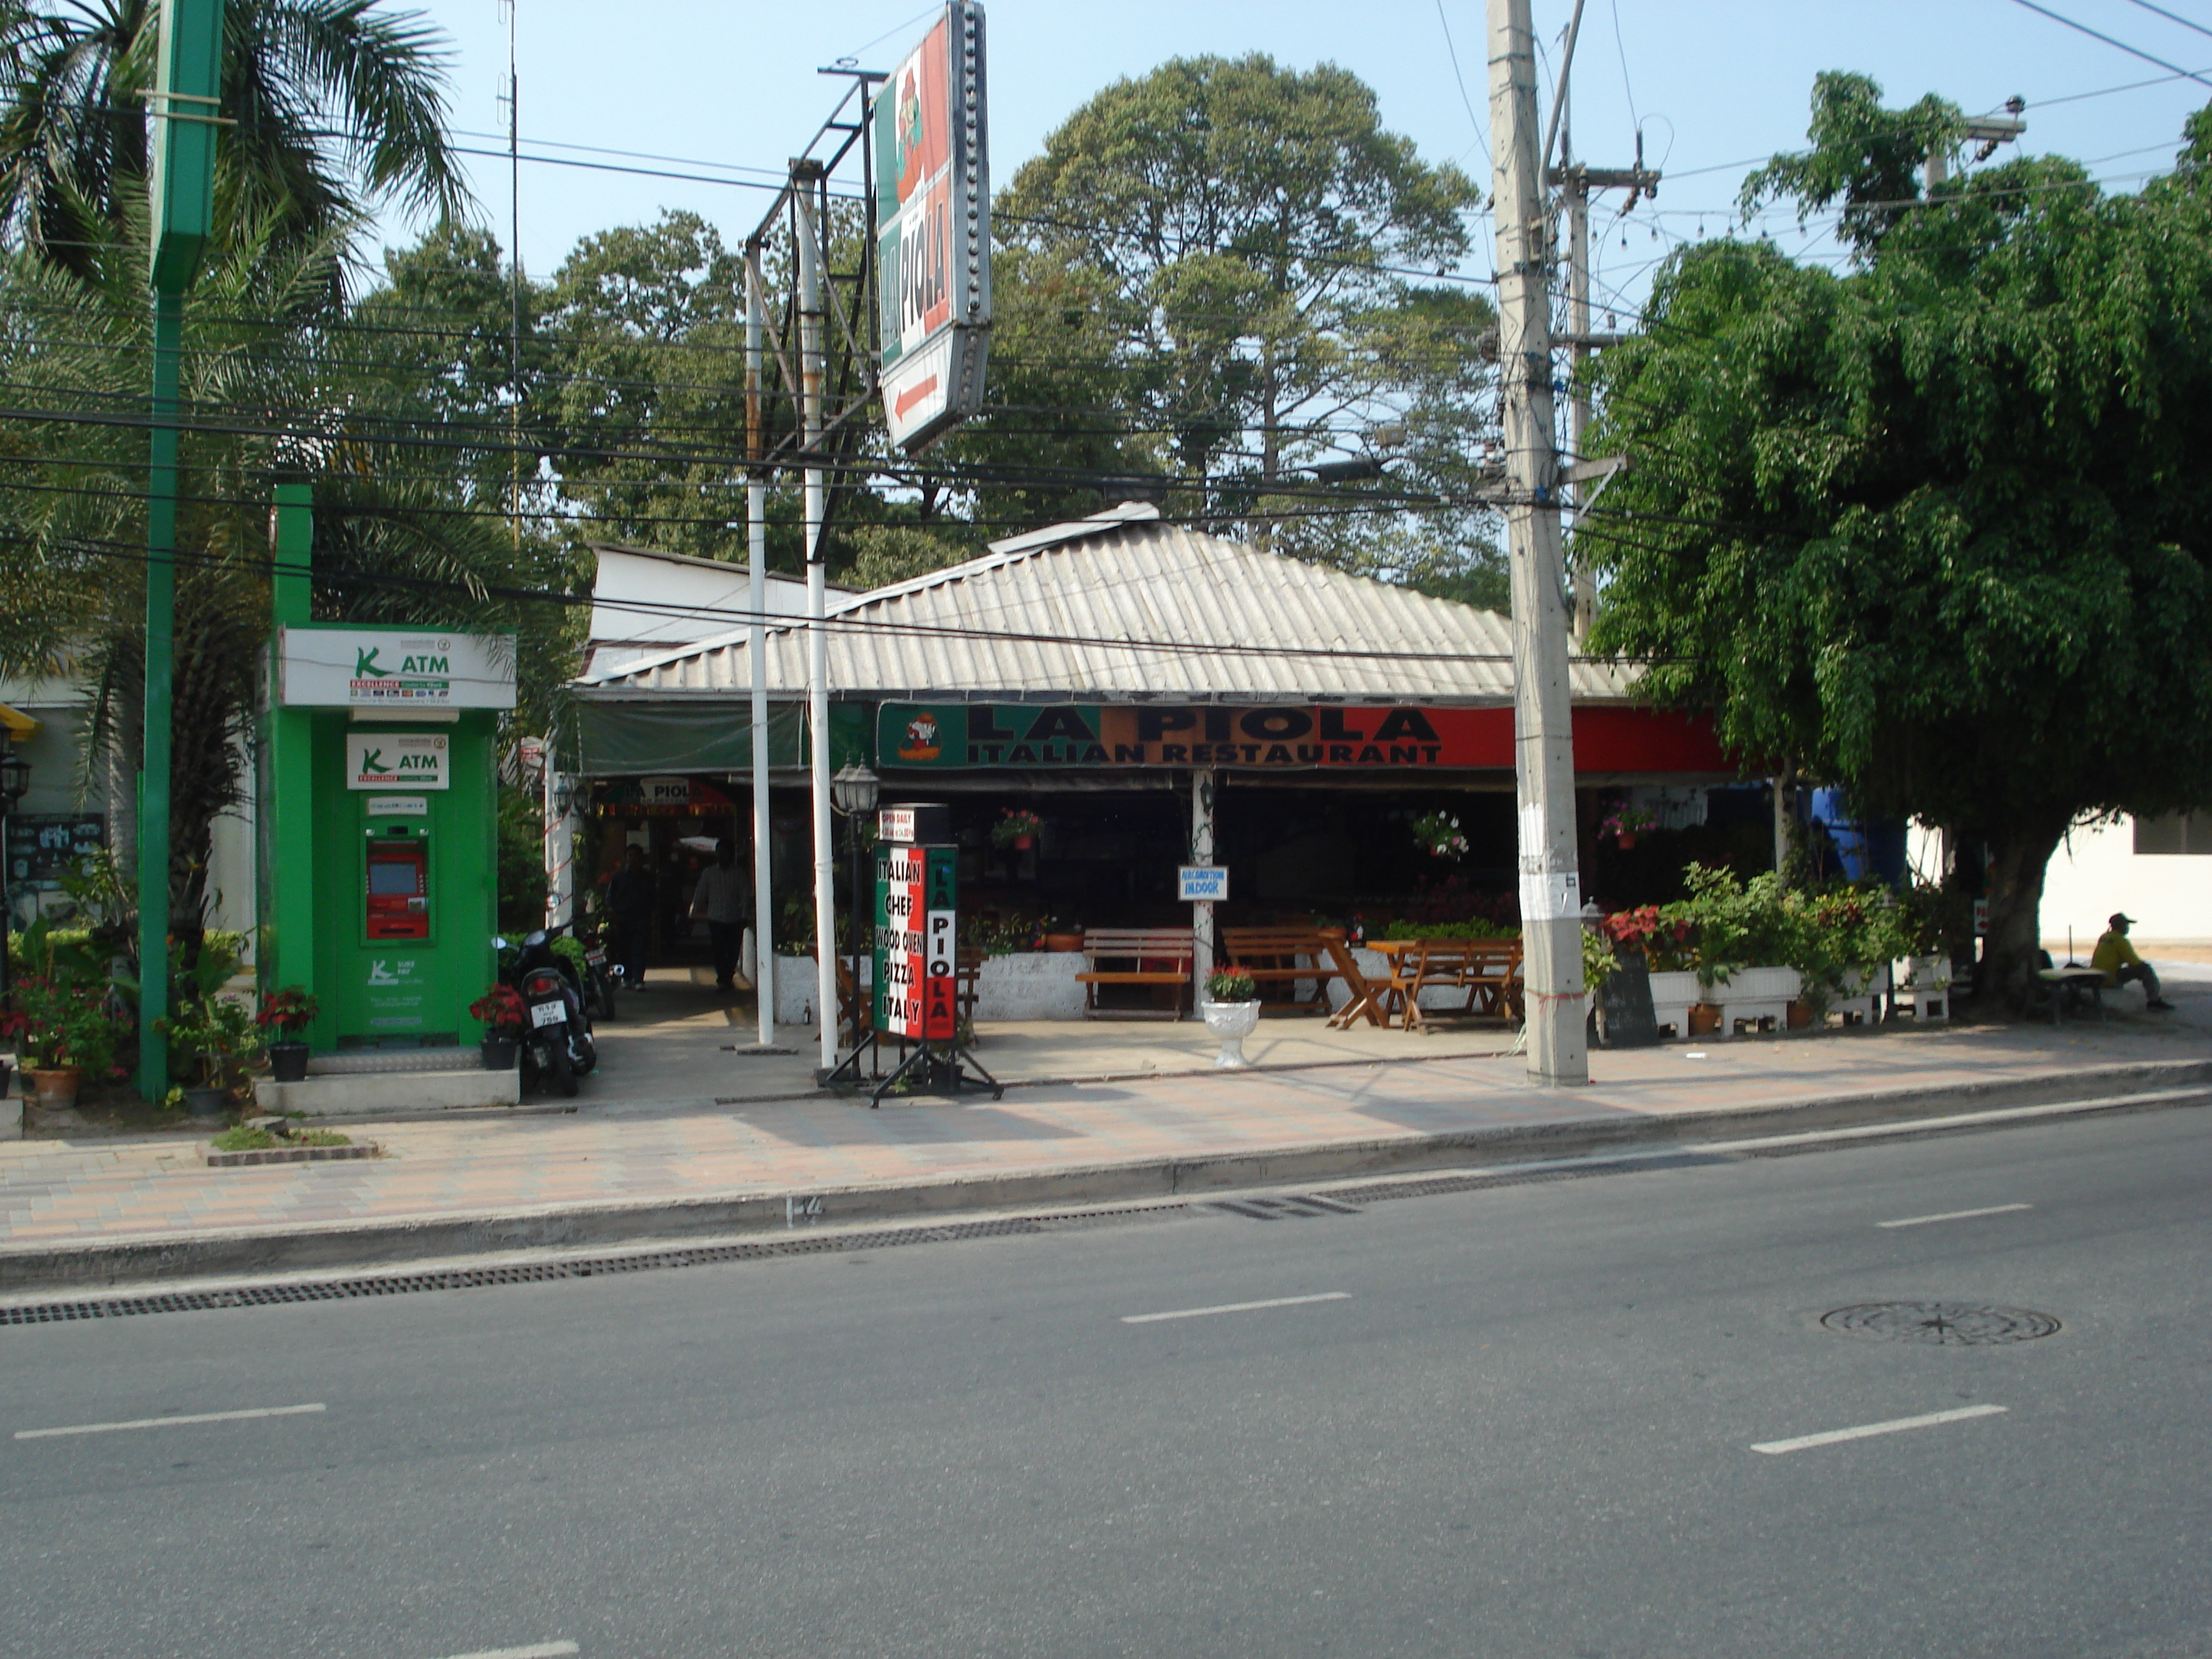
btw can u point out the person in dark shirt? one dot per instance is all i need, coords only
(629, 916)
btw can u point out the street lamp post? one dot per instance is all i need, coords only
(14, 781)
(855, 791)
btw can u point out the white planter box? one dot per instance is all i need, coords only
(1861, 995)
(1926, 990)
(1028, 985)
(1755, 994)
(1672, 995)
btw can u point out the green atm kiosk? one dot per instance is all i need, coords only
(380, 848)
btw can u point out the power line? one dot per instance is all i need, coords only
(2132, 52)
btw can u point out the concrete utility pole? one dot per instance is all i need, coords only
(1551, 896)
(756, 647)
(805, 180)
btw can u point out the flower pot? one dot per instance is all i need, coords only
(207, 1103)
(1627, 841)
(1705, 1018)
(54, 1089)
(287, 1060)
(1232, 1022)
(498, 1053)
(1799, 1016)
(1023, 843)
(1063, 942)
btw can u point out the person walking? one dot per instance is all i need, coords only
(2116, 959)
(722, 897)
(629, 915)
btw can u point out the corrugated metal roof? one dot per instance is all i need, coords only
(1118, 608)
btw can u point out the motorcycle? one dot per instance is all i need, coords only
(557, 1040)
(601, 977)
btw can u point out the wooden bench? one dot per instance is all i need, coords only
(1136, 955)
(1270, 956)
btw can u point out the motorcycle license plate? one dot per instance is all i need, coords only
(549, 1013)
(595, 958)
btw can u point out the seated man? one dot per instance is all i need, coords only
(2116, 959)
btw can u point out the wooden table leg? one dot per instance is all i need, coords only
(1361, 1002)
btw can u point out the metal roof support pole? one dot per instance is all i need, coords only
(757, 651)
(1543, 737)
(804, 174)
(1202, 786)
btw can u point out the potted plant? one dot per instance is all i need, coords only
(61, 1031)
(502, 1011)
(1063, 942)
(1625, 823)
(1018, 828)
(1440, 835)
(1231, 1010)
(221, 1038)
(286, 1012)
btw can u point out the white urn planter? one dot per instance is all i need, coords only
(1232, 1022)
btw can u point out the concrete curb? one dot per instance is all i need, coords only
(382, 1242)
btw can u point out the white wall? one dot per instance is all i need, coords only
(2097, 871)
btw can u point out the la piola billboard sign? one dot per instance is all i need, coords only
(934, 231)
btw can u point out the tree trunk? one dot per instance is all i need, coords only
(2018, 855)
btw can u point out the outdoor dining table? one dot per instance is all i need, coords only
(1488, 969)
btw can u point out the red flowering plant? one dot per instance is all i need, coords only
(502, 1011)
(1663, 942)
(286, 1012)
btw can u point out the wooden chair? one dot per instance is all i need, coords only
(1487, 970)
(1271, 956)
(1137, 956)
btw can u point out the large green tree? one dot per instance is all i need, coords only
(1936, 527)
(1251, 263)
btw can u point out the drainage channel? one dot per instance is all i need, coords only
(539, 1273)
(1336, 1201)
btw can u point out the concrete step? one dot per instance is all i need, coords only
(366, 1092)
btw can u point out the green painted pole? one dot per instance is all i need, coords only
(161, 630)
(186, 96)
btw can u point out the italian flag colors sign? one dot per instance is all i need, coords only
(917, 943)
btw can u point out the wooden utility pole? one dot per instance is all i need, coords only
(1543, 741)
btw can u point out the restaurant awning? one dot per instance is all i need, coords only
(18, 725)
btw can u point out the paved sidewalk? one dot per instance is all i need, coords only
(136, 1207)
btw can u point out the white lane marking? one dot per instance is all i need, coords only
(1953, 1215)
(164, 1422)
(535, 1650)
(1235, 1306)
(1898, 1426)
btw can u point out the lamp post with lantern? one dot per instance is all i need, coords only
(855, 791)
(14, 783)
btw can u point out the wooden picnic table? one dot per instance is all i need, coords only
(1288, 956)
(1488, 969)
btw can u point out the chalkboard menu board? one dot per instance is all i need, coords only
(40, 845)
(1625, 1018)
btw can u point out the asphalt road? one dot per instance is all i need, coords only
(1524, 1421)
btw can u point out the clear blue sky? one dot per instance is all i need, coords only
(1713, 82)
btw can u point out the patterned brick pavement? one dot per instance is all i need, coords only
(57, 1190)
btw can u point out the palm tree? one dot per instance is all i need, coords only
(336, 103)
(274, 386)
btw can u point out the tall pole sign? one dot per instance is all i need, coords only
(934, 232)
(188, 85)
(1543, 740)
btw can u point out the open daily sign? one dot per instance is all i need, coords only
(396, 760)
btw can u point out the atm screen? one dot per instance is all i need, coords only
(392, 878)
